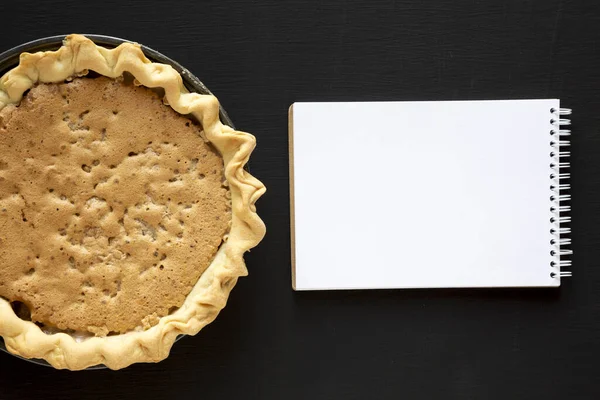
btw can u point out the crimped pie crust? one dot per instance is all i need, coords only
(209, 294)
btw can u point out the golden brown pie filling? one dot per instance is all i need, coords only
(111, 205)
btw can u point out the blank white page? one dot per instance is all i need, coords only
(421, 194)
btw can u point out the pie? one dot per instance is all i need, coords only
(125, 208)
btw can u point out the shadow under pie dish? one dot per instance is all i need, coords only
(123, 221)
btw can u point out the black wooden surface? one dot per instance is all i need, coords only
(271, 343)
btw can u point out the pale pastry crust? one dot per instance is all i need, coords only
(78, 55)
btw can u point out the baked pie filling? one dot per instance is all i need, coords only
(112, 205)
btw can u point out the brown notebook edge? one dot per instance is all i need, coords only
(292, 214)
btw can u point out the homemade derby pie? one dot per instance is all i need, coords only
(125, 208)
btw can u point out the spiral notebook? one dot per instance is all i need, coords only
(429, 194)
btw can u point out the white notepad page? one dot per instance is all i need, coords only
(421, 194)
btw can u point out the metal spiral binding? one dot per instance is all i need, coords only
(558, 195)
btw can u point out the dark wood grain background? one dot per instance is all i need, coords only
(272, 343)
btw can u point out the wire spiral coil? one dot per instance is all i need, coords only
(558, 195)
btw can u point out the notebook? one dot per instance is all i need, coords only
(442, 194)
